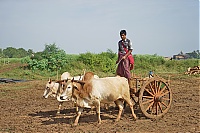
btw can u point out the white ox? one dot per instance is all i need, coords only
(102, 90)
(88, 76)
(53, 88)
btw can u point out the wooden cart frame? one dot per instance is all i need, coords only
(154, 95)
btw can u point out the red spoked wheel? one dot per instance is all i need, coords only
(155, 98)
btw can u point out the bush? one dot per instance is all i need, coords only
(53, 59)
(104, 61)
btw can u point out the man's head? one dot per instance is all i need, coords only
(123, 34)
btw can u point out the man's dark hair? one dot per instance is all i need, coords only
(123, 32)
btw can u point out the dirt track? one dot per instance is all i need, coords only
(23, 109)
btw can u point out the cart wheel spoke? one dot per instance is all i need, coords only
(166, 99)
(149, 92)
(160, 107)
(164, 93)
(148, 101)
(149, 106)
(152, 89)
(159, 87)
(162, 90)
(164, 104)
(155, 86)
(148, 97)
(156, 108)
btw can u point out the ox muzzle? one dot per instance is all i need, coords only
(65, 98)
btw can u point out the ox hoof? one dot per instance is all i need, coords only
(116, 120)
(75, 124)
(135, 118)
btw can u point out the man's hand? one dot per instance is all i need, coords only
(124, 57)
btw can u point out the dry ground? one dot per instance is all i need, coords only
(23, 109)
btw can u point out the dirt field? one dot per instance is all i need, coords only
(23, 109)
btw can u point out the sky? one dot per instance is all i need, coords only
(162, 27)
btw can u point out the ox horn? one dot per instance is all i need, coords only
(50, 80)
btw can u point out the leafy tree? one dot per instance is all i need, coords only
(11, 52)
(194, 54)
(30, 52)
(56, 60)
(20, 53)
(49, 49)
(51, 59)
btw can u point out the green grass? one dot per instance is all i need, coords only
(9, 60)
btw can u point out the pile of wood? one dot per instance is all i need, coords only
(194, 70)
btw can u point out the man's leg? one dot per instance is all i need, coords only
(132, 86)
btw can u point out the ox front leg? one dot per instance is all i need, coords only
(59, 107)
(121, 106)
(76, 106)
(131, 107)
(98, 112)
(80, 110)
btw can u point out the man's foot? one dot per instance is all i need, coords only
(137, 94)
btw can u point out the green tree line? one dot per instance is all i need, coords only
(53, 59)
(11, 52)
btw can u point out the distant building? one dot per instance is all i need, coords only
(181, 56)
(168, 58)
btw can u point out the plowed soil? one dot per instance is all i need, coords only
(23, 109)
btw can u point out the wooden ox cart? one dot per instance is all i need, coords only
(153, 95)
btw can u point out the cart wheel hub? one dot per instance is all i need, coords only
(157, 98)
